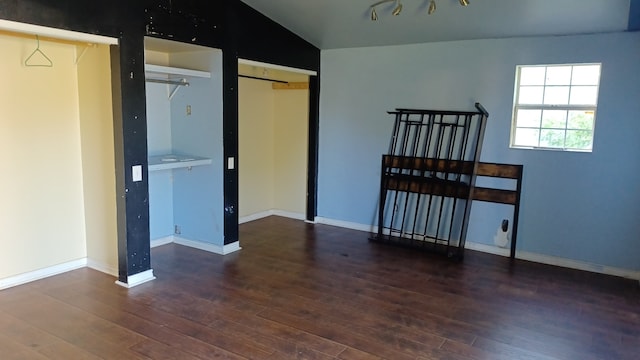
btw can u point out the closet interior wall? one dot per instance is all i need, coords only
(184, 140)
(57, 134)
(273, 146)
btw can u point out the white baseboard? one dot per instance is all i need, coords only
(578, 265)
(137, 279)
(523, 255)
(216, 249)
(42, 273)
(254, 217)
(491, 249)
(231, 248)
(132, 281)
(102, 267)
(161, 241)
(346, 224)
(289, 214)
(264, 214)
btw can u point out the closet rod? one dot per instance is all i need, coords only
(182, 82)
(264, 79)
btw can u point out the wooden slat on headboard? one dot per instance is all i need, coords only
(501, 196)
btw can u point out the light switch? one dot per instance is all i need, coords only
(231, 163)
(136, 172)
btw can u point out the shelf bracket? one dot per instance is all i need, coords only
(83, 52)
(177, 83)
(175, 90)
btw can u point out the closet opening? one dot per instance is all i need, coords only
(58, 190)
(185, 147)
(273, 145)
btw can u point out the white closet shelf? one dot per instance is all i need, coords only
(174, 161)
(170, 70)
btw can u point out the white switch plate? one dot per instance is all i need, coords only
(231, 163)
(136, 172)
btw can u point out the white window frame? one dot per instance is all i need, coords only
(542, 107)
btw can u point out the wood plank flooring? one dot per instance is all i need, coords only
(301, 291)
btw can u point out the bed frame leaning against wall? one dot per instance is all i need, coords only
(428, 180)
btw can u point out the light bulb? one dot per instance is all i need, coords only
(398, 9)
(432, 7)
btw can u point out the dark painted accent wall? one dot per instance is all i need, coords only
(230, 123)
(312, 143)
(229, 25)
(269, 42)
(634, 15)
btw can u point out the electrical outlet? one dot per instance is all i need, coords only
(177, 230)
(188, 109)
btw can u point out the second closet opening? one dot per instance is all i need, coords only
(273, 118)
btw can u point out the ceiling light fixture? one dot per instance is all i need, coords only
(432, 7)
(398, 8)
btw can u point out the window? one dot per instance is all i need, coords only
(555, 107)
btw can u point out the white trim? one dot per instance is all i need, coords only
(174, 161)
(578, 265)
(216, 249)
(542, 106)
(289, 214)
(170, 70)
(56, 33)
(255, 216)
(346, 224)
(267, 213)
(276, 67)
(42, 273)
(102, 267)
(161, 241)
(230, 248)
(137, 279)
(522, 255)
(485, 248)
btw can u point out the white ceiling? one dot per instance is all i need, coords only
(329, 24)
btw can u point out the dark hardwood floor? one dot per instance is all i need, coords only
(299, 291)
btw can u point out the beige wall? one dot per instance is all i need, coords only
(255, 146)
(272, 148)
(41, 189)
(98, 163)
(57, 189)
(290, 150)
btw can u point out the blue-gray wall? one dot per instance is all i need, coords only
(188, 197)
(579, 206)
(198, 192)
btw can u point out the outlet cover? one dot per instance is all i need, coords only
(136, 173)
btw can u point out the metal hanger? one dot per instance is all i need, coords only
(48, 62)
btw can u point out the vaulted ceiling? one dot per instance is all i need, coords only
(329, 24)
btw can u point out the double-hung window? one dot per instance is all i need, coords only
(555, 107)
